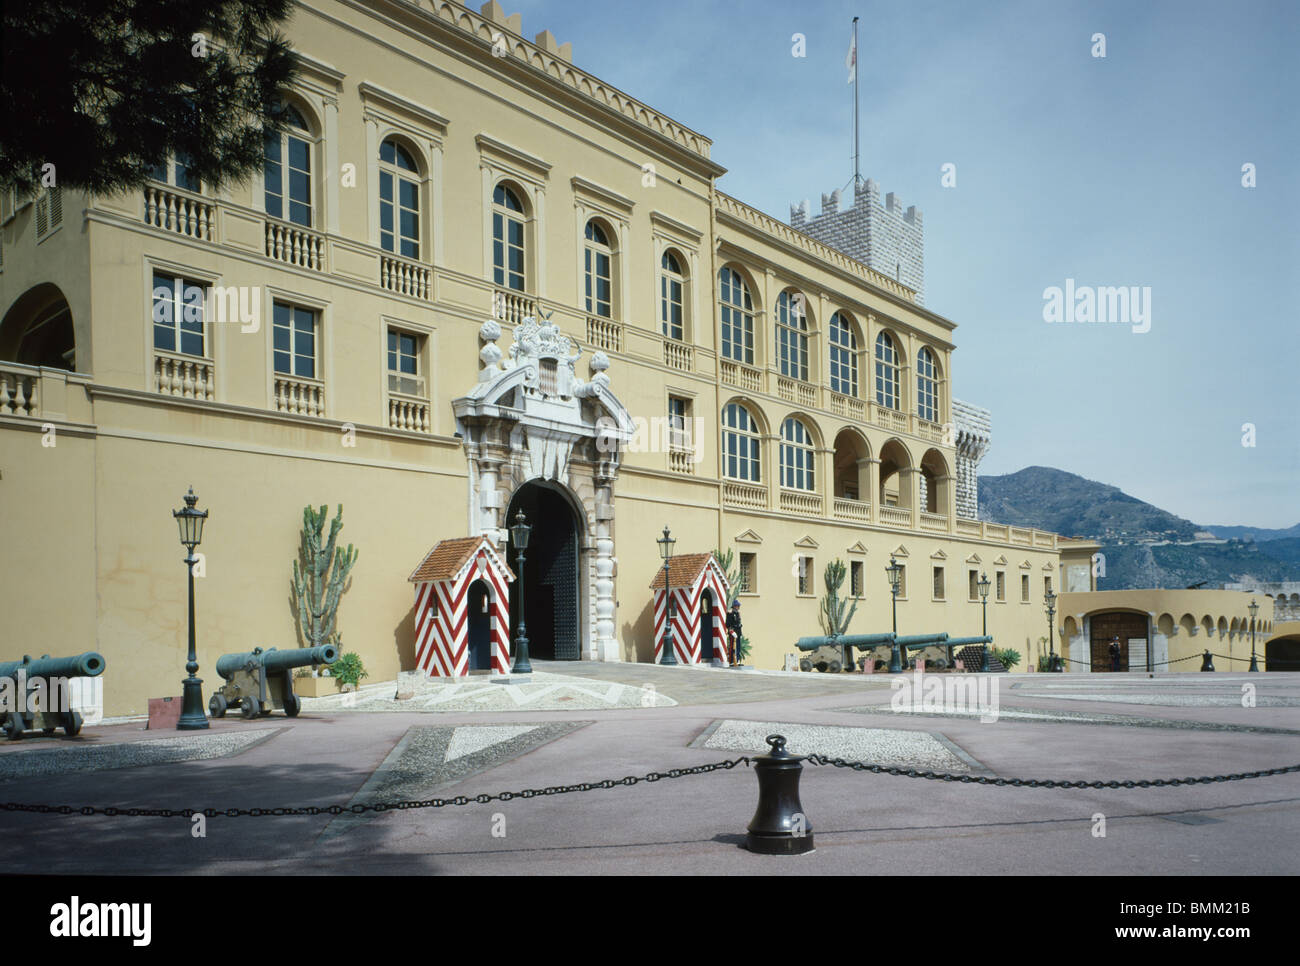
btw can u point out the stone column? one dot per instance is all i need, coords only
(869, 483)
(604, 645)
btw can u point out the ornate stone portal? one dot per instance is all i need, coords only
(530, 418)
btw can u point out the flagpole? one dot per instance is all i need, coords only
(856, 170)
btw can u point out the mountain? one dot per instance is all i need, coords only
(1144, 545)
(1255, 533)
(1051, 499)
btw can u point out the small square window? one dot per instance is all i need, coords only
(748, 574)
(805, 576)
(1024, 588)
(972, 585)
(855, 578)
(938, 583)
(1002, 585)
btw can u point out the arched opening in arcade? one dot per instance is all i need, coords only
(549, 584)
(37, 330)
(1128, 631)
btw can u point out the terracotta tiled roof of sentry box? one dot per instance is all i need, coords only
(445, 560)
(682, 570)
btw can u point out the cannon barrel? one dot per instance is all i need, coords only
(850, 640)
(922, 640)
(964, 641)
(276, 660)
(88, 665)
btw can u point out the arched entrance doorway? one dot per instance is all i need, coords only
(549, 583)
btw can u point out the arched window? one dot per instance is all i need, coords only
(507, 239)
(287, 171)
(796, 456)
(740, 444)
(672, 286)
(927, 387)
(737, 312)
(844, 356)
(599, 258)
(792, 335)
(886, 372)
(399, 200)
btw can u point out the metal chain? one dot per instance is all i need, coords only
(1190, 657)
(1045, 782)
(362, 808)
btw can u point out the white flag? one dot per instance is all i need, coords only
(851, 61)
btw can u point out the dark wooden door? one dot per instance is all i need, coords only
(1107, 627)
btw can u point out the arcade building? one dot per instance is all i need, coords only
(473, 280)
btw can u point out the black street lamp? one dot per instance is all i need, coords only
(190, 521)
(895, 573)
(983, 583)
(1049, 600)
(1254, 609)
(519, 532)
(666, 543)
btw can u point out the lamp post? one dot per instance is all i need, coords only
(1254, 609)
(190, 522)
(984, 583)
(666, 543)
(895, 573)
(519, 533)
(1049, 600)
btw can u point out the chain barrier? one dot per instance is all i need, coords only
(1045, 782)
(361, 808)
(1155, 664)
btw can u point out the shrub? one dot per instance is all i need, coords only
(1008, 656)
(348, 669)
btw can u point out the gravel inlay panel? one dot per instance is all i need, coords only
(1037, 715)
(429, 759)
(1231, 700)
(129, 754)
(885, 746)
(546, 692)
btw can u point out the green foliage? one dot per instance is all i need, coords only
(1008, 656)
(731, 567)
(107, 91)
(319, 576)
(348, 669)
(742, 649)
(1044, 663)
(833, 615)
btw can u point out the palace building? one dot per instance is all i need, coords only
(473, 280)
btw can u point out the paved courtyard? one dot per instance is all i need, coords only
(586, 722)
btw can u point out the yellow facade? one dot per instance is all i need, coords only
(92, 461)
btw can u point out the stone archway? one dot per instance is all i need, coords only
(549, 585)
(531, 425)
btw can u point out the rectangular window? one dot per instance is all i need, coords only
(973, 586)
(404, 363)
(1002, 585)
(1047, 586)
(670, 306)
(855, 578)
(1024, 588)
(178, 309)
(679, 414)
(938, 583)
(294, 334)
(902, 580)
(805, 576)
(748, 574)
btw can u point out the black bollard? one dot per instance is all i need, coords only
(1207, 664)
(779, 826)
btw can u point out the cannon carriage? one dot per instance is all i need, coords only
(41, 701)
(259, 682)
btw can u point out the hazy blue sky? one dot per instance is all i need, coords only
(1117, 171)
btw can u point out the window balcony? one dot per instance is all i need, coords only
(173, 209)
(295, 245)
(802, 502)
(855, 510)
(603, 333)
(511, 306)
(896, 516)
(934, 522)
(679, 355)
(847, 406)
(681, 458)
(928, 430)
(19, 390)
(405, 277)
(890, 419)
(408, 404)
(742, 376)
(792, 390)
(299, 395)
(744, 495)
(178, 374)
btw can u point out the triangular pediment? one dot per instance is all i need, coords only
(974, 558)
(807, 543)
(748, 536)
(1026, 565)
(1001, 560)
(938, 555)
(857, 548)
(900, 551)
